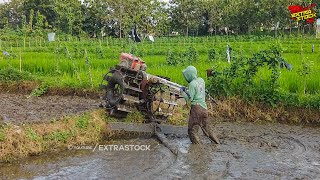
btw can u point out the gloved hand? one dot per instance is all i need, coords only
(184, 89)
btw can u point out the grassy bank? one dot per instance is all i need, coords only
(17, 141)
(236, 109)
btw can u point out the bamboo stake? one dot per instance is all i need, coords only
(74, 66)
(20, 61)
(88, 66)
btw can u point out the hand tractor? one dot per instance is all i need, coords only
(127, 87)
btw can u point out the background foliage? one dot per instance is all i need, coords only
(96, 18)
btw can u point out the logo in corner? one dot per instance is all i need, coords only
(300, 13)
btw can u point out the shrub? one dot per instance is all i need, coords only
(191, 55)
(240, 79)
(211, 54)
(172, 58)
(12, 74)
(40, 90)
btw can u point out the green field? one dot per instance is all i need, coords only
(72, 63)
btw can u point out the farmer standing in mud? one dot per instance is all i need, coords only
(199, 110)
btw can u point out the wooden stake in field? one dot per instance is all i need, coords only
(20, 61)
(74, 66)
(88, 66)
(57, 59)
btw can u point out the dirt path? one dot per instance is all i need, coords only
(248, 151)
(19, 108)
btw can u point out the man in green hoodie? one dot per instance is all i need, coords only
(198, 114)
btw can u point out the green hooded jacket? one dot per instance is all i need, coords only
(196, 88)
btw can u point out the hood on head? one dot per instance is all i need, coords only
(190, 73)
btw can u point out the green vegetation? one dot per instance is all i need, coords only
(61, 136)
(241, 78)
(83, 122)
(134, 117)
(116, 18)
(12, 74)
(2, 134)
(32, 135)
(40, 90)
(78, 64)
(35, 138)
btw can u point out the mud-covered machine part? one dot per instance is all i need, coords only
(127, 86)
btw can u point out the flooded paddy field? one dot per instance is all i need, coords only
(247, 151)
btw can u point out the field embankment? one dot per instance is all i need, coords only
(17, 141)
(236, 109)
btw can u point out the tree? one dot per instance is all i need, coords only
(46, 8)
(212, 12)
(69, 16)
(185, 14)
(147, 15)
(11, 14)
(96, 17)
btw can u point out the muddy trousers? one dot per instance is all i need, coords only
(199, 119)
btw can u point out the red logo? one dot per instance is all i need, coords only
(300, 13)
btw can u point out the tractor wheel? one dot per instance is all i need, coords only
(115, 89)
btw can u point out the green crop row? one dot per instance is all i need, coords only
(81, 64)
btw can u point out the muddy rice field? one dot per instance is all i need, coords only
(247, 150)
(17, 108)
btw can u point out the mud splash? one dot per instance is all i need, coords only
(17, 108)
(248, 151)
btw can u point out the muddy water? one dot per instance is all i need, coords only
(21, 108)
(247, 151)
